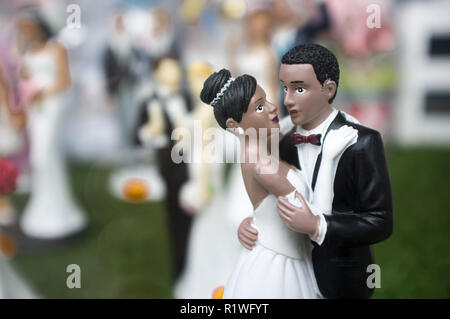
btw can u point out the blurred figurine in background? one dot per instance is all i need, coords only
(256, 56)
(162, 36)
(139, 39)
(123, 68)
(197, 192)
(165, 110)
(120, 80)
(155, 39)
(51, 212)
(298, 22)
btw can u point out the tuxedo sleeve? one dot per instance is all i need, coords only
(370, 220)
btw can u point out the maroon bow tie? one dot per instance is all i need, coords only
(300, 139)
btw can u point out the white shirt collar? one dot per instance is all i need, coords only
(321, 128)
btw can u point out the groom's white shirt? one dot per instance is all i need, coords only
(307, 154)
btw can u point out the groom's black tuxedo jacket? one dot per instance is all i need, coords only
(361, 216)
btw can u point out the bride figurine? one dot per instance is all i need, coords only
(280, 265)
(51, 212)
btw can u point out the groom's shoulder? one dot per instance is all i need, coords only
(363, 131)
(367, 137)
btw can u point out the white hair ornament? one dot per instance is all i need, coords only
(221, 92)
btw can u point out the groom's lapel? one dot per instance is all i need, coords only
(338, 121)
(288, 151)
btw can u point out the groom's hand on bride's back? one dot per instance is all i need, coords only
(247, 234)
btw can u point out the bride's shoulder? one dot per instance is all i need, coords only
(267, 167)
(271, 176)
(270, 166)
(57, 47)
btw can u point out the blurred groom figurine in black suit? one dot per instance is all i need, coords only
(362, 203)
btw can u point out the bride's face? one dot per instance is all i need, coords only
(260, 113)
(28, 30)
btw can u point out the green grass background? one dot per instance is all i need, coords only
(125, 252)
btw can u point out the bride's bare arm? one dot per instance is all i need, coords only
(272, 178)
(261, 180)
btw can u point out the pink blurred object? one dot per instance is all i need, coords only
(382, 40)
(376, 115)
(8, 177)
(351, 29)
(26, 90)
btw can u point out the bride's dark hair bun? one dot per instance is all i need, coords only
(236, 98)
(214, 84)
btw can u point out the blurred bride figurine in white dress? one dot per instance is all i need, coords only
(51, 212)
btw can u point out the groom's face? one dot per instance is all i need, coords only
(304, 95)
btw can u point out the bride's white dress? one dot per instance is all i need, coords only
(214, 247)
(51, 211)
(280, 264)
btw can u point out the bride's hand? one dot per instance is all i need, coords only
(337, 141)
(38, 96)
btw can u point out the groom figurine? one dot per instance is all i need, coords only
(362, 205)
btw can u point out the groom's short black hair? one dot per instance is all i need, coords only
(323, 61)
